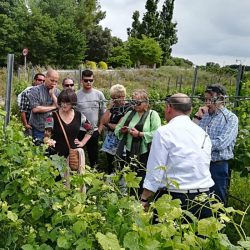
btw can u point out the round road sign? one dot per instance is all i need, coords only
(25, 52)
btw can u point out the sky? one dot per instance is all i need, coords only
(208, 30)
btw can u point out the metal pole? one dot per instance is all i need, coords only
(25, 67)
(75, 76)
(80, 77)
(180, 83)
(176, 83)
(19, 74)
(110, 81)
(33, 74)
(9, 79)
(193, 87)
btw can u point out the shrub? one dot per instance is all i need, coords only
(91, 65)
(102, 65)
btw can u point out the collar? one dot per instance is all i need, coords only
(180, 118)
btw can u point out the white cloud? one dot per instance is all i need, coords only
(208, 30)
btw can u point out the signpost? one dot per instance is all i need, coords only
(25, 53)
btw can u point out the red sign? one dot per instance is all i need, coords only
(25, 52)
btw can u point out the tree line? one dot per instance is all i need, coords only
(66, 32)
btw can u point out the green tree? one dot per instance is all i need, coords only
(117, 42)
(99, 43)
(135, 31)
(151, 25)
(144, 51)
(119, 58)
(169, 34)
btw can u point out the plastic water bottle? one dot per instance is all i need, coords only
(124, 151)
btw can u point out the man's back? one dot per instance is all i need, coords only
(185, 149)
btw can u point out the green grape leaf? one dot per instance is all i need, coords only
(36, 213)
(79, 227)
(108, 241)
(208, 226)
(28, 247)
(83, 243)
(131, 241)
(45, 247)
(132, 180)
(63, 242)
(12, 216)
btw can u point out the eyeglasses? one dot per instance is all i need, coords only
(40, 80)
(71, 85)
(88, 80)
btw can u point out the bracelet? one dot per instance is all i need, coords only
(143, 200)
(197, 117)
(138, 133)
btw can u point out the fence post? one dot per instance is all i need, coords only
(79, 77)
(9, 79)
(19, 74)
(176, 83)
(238, 86)
(168, 81)
(117, 77)
(75, 76)
(110, 81)
(180, 83)
(32, 75)
(193, 87)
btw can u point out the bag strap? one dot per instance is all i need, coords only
(59, 119)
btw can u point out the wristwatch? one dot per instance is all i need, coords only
(197, 117)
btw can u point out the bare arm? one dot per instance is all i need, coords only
(201, 112)
(24, 120)
(82, 143)
(42, 109)
(145, 195)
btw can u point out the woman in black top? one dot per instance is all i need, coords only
(117, 108)
(71, 120)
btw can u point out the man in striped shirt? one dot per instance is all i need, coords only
(222, 128)
(43, 99)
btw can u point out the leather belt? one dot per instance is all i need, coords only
(189, 191)
(217, 162)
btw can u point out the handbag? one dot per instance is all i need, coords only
(73, 153)
(111, 143)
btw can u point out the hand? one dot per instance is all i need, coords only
(27, 127)
(134, 132)
(202, 111)
(80, 144)
(145, 205)
(124, 129)
(51, 91)
(50, 142)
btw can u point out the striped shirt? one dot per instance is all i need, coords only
(39, 96)
(222, 131)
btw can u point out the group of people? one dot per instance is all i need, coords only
(196, 153)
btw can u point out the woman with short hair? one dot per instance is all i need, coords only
(117, 108)
(136, 131)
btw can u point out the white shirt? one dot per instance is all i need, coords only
(178, 145)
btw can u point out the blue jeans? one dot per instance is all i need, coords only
(220, 176)
(37, 136)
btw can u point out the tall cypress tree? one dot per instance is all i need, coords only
(169, 34)
(135, 31)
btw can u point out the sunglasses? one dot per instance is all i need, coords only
(71, 85)
(114, 98)
(88, 80)
(40, 80)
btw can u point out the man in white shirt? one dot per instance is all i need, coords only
(185, 149)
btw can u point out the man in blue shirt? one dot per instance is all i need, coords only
(222, 127)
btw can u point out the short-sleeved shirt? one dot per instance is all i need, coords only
(39, 96)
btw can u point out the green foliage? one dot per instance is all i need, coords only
(102, 65)
(119, 58)
(146, 51)
(91, 65)
(99, 43)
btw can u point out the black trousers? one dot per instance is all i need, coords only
(141, 172)
(187, 203)
(92, 147)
